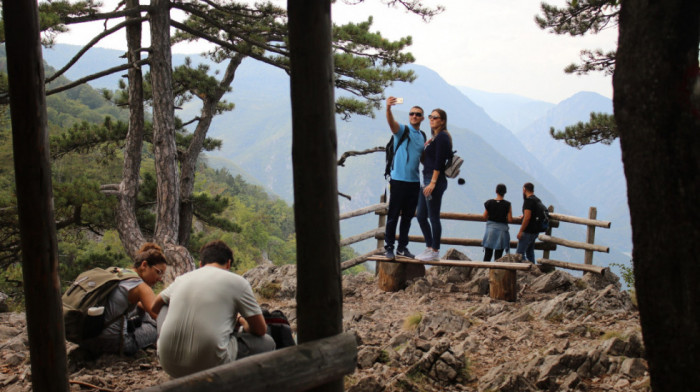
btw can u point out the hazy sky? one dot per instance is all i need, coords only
(490, 45)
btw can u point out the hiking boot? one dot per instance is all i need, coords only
(405, 253)
(389, 254)
(429, 255)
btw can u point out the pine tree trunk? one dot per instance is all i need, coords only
(30, 142)
(127, 225)
(188, 166)
(314, 149)
(657, 110)
(168, 190)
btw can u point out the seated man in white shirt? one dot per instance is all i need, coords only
(204, 309)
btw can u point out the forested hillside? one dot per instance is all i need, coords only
(86, 132)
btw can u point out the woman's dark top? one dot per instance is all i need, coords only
(436, 154)
(498, 210)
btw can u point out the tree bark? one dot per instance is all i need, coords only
(657, 110)
(42, 292)
(168, 190)
(314, 153)
(127, 225)
(188, 166)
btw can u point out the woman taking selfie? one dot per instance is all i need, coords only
(437, 150)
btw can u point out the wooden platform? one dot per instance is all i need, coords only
(457, 263)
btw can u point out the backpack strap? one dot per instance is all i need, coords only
(404, 136)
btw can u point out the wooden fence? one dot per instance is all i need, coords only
(547, 242)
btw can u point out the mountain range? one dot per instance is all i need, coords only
(503, 138)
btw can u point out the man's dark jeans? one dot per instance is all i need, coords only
(403, 199)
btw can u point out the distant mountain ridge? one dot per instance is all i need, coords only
(257, 137)
(515, 112)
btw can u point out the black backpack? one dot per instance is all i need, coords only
(541, 217)
(391, 151)
(278, 327)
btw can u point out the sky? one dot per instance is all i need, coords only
(489, 45)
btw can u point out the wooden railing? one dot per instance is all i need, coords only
(547, 242)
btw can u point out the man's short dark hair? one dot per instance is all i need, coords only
(501, 189)
(529, 187)
(215, 252)
(419, 108)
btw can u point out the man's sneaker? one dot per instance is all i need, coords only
(389, 254)
(430, 255)
(405, 253)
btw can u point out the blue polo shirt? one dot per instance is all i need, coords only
(407, 156)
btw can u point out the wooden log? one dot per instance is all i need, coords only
(469, 241)
(574, 244)
(360, 259)
(503, 284)
(363, 211)
(480, 218)
(296, 368)
(390, 276)
(457, 263)
(574, 266)
(361, 237)
(590, 236)
(580, 221)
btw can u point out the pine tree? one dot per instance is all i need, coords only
(578, 18)
(365, 64)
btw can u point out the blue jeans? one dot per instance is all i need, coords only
(526, 246)
(402, 203)
(429, 210)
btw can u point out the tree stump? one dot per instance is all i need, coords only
(393, 276)
(503, 284)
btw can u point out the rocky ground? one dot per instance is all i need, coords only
(442, 333)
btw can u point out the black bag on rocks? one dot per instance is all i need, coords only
(278, 327)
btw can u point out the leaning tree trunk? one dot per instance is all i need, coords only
(657, 110)
(30, 140)
(314, 145)
(189, 160)
(168, 190)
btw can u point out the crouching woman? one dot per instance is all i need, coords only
(129, 318)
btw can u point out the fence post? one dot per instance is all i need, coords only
(590, 235)
(545, 253)
(382, 220)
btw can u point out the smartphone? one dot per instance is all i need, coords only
(399, 100)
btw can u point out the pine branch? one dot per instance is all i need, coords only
(601, 128)
(227, 45)
(136, 11)
(93, 77)
(231, 31)
(347, 154)
(90, 44)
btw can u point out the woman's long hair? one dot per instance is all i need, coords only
(443, 128)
